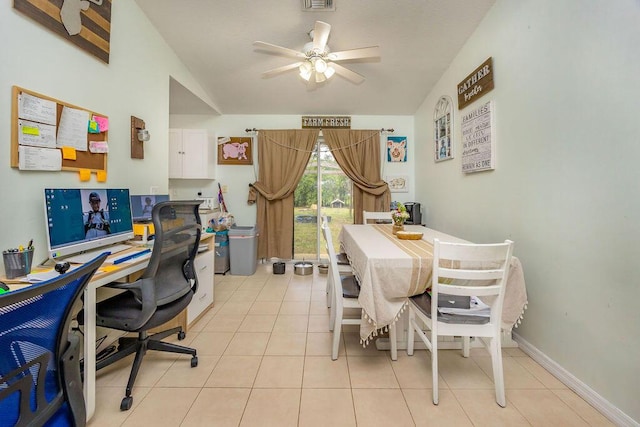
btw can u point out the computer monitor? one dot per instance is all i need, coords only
(142, 205)
(83, 219)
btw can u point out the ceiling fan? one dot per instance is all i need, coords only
(316, 62)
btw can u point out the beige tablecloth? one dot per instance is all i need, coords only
(390, 270)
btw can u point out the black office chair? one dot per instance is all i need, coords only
(40, 378)
(165, 289)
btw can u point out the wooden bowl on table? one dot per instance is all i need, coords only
(409, 235)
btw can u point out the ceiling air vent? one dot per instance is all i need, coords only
(318, 5)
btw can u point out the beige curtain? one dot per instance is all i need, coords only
(282, 158)
(358, 154)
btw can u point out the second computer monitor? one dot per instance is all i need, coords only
(142, 205)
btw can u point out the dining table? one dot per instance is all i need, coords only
(390, 270)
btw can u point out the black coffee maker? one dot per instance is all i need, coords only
(415, 217)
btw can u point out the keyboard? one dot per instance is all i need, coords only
(89, 255)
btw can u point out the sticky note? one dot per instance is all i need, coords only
(93, 127)
(103, 123)
(68, 153)
(102, 176)
(98, 146)
(85, 174)
(30, 130)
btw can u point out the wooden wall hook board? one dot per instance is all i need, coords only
(137, 146)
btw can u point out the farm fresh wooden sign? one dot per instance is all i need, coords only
(476, 84)
(326, 122)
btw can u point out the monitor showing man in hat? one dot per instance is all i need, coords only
(96, 221)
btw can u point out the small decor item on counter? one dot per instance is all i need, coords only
(399, 216)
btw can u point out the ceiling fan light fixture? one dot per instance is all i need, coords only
(330, 71)
(316, 63)
(320, 65)
(305, 70)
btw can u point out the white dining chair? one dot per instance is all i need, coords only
(344, 267)
(376, 216)
(466, 270)
(344, 292)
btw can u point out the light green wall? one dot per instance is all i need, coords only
(565, 188)
(135, 82)
(566, 185)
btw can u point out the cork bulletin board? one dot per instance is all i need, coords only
(36, 131)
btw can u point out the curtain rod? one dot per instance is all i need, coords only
(383, 130)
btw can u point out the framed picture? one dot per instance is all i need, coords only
(398, 183)
(396, 149)
(442, 126)
(235, 150)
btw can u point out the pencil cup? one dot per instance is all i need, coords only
(17, 264)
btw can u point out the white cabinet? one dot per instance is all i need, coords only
(190, 154)
(203, 298)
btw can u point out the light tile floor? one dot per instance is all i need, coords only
(264, 360)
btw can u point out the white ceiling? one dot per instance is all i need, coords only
(418, 39)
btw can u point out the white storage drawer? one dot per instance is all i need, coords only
(202, 300)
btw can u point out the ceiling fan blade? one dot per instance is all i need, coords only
(320, 35)
(273, 72)
(362, 52)
(347, 73)
(279, 49)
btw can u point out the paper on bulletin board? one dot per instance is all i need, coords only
(36, 134)
(103, 123)
(39, 159)
(72, 130)
(85, 174)
(36, 109)
(99, 146)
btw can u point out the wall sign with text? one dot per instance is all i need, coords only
(476, 84)
(327, 122)
(478, 142)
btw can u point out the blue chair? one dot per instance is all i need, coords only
(40, 382)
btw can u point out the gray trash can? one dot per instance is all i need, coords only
(222, 252)
(243, 250)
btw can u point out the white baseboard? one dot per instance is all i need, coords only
(605, 407)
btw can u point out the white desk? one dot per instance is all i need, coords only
(98, 280)
(390, 270)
